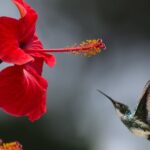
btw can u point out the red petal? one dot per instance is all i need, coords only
(40, 57)
(20, 7)
(24, 8)
(35, 43)
(22, 92)
(27, 22)
(9, 47)
(37, 64)
(48, 58)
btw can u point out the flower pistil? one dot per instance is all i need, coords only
(87, 48)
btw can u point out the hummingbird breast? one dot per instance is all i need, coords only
(137, 127)
(140, 132)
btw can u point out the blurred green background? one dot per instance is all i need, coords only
(78, 117)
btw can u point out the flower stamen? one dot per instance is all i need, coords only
(87, 48)
(93, 48)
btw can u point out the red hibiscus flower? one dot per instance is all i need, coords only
(10, 146)
(22, 88)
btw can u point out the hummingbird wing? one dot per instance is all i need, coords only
(143, 109)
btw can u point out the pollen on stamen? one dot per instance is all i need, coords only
(90, 48)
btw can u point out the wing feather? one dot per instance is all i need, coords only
(143, 108)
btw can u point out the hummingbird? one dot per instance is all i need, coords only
(137, 122)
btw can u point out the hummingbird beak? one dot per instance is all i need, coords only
(113, 101)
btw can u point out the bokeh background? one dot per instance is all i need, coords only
(78, 117)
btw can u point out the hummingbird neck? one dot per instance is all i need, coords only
(126, 115)
(121, 115)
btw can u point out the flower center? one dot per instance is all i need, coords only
(22, 45)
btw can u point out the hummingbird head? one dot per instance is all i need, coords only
(121, 109)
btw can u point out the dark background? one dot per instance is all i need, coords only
(78, 117)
